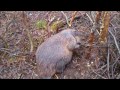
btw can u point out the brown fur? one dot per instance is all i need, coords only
(56, 52)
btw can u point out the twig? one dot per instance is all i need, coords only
(6, 44)
(104, 70)
(28, 33)
(94, 24)
(56, 76)
(116, 61)
(112, 73)
(5, 50)
(51, 20)
(65, 17)
(30, 39)
(113, 67)
(113, 54)
(90, 18)
(118, 77)
(102, 67)
(115, 41)
(98, 74)
(108, 63)
(73, 16)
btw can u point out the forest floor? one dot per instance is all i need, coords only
(17, 63)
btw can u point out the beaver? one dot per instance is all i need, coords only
(56, 52)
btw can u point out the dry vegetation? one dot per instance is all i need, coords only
(22, 31)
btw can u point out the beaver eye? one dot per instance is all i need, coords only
(78, 43)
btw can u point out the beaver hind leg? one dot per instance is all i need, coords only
(60, 66)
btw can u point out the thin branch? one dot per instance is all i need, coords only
(5, 50)
(108, 63)
(115, 41)
(65, 17)
(113, 66)
(28, 33)
(98, 74)
(51, 20)
(116, 61)
(102, 67)
(112, 73)
(94, 23)
(30, 40)
(56, 76)
(118, 77)
(73, 16)
(90, 18)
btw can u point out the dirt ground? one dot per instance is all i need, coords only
(16, 63)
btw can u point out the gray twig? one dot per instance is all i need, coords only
(65, 17)
(93, 22)
(98, 74)
(102, 67)
(115, 41)
(113, 66)
(90, 18)
(108, 63)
